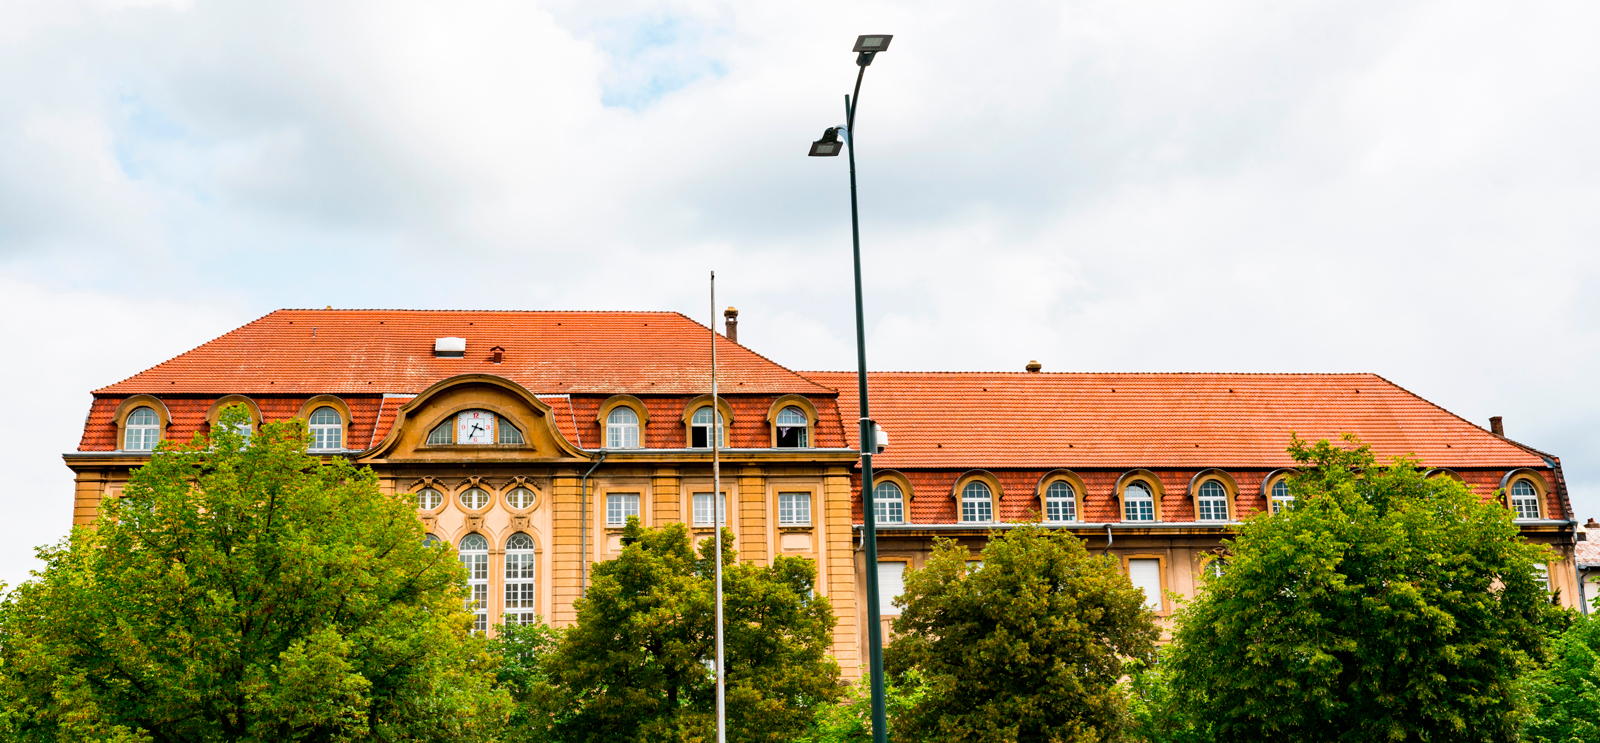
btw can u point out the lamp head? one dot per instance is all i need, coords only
(868, 47)
(829, 145)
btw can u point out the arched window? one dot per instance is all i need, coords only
(473, 499)
(327, 429)
(700, 429)
(428, 540)
(505, 433)
(522, 601)
(888, 503)
(1524, 500)
(519, 498)
(474, 553)
(793, 428)
(1281, 499)
(1213, 501)
(1060, 503)
(429, 499)
(444, 433)
(1137, 503)
(622, 428)
(977, 503)
(143, 428)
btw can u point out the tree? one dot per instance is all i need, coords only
(1565, 695)
(851, 720)
(1384, 605)
(1028, 646)
(637, 665)
(239, 589)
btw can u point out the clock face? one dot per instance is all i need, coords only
(475, 427)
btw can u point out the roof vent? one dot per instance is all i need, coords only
(497, 354)
(1034, 366)
(450, 348)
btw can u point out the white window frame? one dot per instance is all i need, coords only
(1212, 497)
(1524, 506)
(1280, 498)
(521, 588)
(696, 422)
(794, 509)
(514, 494)
(1146, 503)
(442, 434)
(426, 502)
(476, 560)
(891, 585)
(701, 505)
(488, 498)
(974, 505)
(891, 509)
(326, 436)
(1060, 503)
(506, 433)
(619, 506)
(622, 434)
(1153, 598)
(796, 419)
(141, 429)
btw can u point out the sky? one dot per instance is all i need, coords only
(1398, 187)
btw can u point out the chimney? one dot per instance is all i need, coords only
(1034, 366)
(1496, 427)
(497, 354)
(733, 324)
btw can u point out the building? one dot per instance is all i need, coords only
(528, 438)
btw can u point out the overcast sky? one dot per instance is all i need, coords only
(1404, 188)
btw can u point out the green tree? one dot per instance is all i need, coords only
(1385, 605)
(525, 655)
(1565, 695)
(1027, 647)
(851, 720)
(637, 665)
(241, 590)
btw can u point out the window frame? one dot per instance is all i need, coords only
(969, 487)
(526, 561)
(148, 432)
(807, 410)
(1151, 483)
(340, 409)
(474, 581)
(1165, 607)
(126, 409)
(1541, 489)
(215, 412)
(695, 425)
(694, 521)
(1214, 493)
(1042, 493)
(466, 487)
(1513, 497)
(638, 508)
(1149, 495)
(622, 429)
(416, 496)
(318, 430)
(694, 406)
(879, 481)
(885, 600)
(792, 519)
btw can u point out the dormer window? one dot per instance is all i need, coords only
(793, 428)
(1213, 501)
(977, 502)
(143, 430)
(1281, 499)
(700, 429)
(327, 429)
(1137, 503)
(622, 428)
(1060, 503)
(1524, 500)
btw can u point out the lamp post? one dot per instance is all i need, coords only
(828, 146)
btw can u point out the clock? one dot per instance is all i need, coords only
(475, 427)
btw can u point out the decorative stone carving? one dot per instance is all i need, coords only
(474, 521)
(519, 521)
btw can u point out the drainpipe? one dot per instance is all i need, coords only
(583, 527)
(1110, 540)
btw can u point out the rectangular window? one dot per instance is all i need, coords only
(1213, 509)
(1145, 574)
(1141, 510)
(976, 510)
(891, 583)
(888, 511)
(702, 510)
(1526, 508)
(1541, 576)
(794, 509)
(1060, 510)
(619, 506)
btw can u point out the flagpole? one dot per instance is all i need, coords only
(716, 511)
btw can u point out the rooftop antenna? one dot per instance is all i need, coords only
(716, 518)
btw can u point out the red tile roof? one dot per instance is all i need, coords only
(1588, 551)
(1038, 420)
(344, 352)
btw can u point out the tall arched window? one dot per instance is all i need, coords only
(522, 601)
(1281, 498)
(977, 502)
(1060, 503)
(327, 429)
(1213, 501)
(1524, 500)
(1137, 503)
(143, 429)
(888, 503)
(474, 553)
(700, 429)
(793, 428)
(622, 428)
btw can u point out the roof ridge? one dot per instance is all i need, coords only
(754, 352)
(1104, 373)
(503, 312)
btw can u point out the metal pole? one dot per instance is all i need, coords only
(716, 516)
(880, 730)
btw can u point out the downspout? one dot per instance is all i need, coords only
(1110, 538)
(583, 527)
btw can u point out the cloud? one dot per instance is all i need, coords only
(1403, 188)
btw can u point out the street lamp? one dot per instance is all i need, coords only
(866, 48)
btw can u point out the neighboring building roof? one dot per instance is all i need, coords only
(342, 352)
(1122, 420)
(1588, 551)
